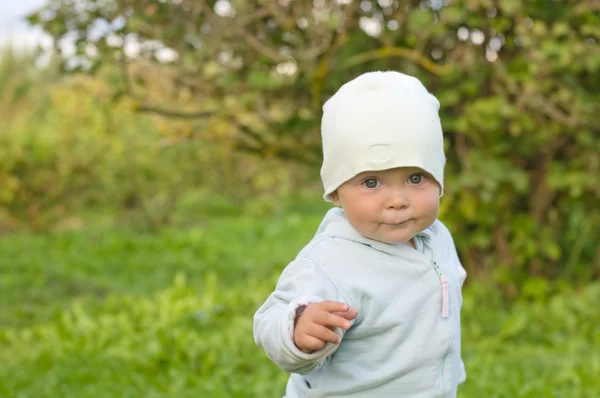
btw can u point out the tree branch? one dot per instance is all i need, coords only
(176, 114)
(409, 53)
(276, 12)
(261, 48)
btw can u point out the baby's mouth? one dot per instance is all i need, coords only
(398, 223)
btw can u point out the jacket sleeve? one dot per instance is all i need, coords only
(462, 274)
(301, 283)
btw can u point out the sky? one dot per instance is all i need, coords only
(13, 27)
(16, 31)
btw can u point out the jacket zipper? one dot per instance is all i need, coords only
(445, 313)
(443, 282)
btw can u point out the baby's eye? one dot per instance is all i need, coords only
(416, 178)
(371, 183)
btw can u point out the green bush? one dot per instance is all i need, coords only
(518, 84)
(71, 154)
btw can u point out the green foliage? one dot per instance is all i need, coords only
(169, 314)
(517, 81)
(71, 150)
(42, 269)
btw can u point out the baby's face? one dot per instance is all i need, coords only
(390, 206)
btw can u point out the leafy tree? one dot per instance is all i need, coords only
(518, 84)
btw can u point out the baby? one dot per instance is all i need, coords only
(371, 306)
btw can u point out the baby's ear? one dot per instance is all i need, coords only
(335, 198)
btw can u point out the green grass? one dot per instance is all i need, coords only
(124, 314)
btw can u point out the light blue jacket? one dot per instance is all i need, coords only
(405, 341)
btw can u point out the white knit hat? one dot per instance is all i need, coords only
(379, 121)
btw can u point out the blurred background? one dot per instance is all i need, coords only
(159, 167)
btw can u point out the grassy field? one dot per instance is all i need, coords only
(125, 314)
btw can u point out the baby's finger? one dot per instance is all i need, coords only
(309, 343)
(329, 319)
(332, 306)
(349, 315)
(324, 334)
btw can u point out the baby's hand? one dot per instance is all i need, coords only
(314, 327)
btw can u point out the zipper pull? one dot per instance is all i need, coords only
(445, 303)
